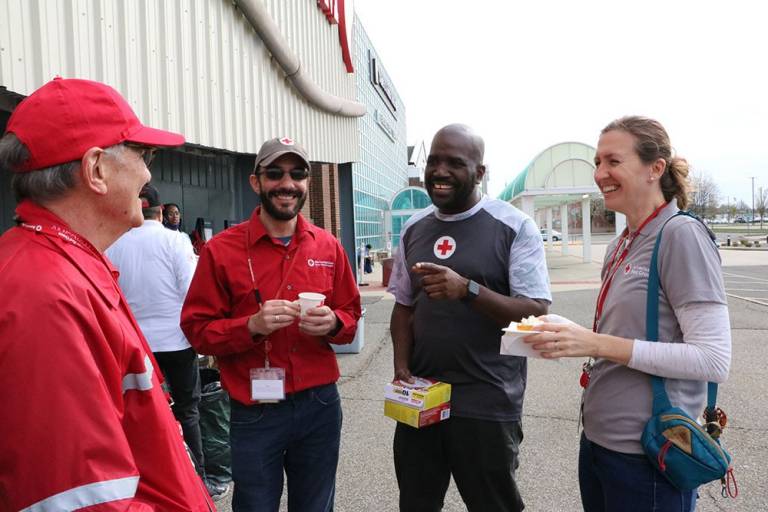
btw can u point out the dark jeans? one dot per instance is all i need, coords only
(623, 482)
(182, 375)
(299, 435)
(481, 455)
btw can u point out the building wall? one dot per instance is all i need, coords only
(204, 184)
(323, 203)
(192, 66)
(196, 67)
(382, 169)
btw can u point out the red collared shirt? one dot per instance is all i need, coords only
(221, 299)
(86, 420)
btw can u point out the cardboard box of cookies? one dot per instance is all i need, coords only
(421, 403)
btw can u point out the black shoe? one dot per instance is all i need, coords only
(216, 490)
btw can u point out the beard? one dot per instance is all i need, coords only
(456, 201)
(282, 214)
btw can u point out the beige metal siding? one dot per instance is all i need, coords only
(193, 66)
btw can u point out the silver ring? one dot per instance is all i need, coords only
(277, 318)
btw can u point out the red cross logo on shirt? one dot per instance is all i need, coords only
(444, 247)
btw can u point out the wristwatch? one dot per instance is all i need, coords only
(473, 290)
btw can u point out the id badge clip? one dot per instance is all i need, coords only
(267, 384)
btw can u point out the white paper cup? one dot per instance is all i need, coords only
(309, 300)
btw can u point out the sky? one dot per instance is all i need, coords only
(527, 75)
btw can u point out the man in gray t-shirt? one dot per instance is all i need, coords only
(465, 268)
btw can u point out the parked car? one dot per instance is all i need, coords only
(556, 235)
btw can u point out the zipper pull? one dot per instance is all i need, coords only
(662, 455)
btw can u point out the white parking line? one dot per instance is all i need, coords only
(745, 277)
(763, 302)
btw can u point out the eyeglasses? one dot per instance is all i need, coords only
(276, 173)
(147, 153)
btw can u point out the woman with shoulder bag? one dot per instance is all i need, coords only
(639, 177)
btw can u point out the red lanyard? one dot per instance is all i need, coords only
(626, 241)
(55, 231)
(257, 293)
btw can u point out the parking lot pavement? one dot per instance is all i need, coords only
(547, 475)
(747, 282)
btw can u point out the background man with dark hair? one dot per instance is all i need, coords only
(466, 267)
(88, 425)
(156, 266)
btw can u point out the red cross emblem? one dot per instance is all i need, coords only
(286, 141)
(444, 247)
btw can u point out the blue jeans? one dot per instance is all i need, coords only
(299, 435)
(623, 482)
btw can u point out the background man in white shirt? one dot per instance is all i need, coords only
(156, 266)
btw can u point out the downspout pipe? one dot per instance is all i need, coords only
(259, 18)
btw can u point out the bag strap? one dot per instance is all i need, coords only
(660, 397)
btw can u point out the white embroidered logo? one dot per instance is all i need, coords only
(319, 263)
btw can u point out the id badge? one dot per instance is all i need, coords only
(267, 384)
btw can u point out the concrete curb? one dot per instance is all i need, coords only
(732, 248)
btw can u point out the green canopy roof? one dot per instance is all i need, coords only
(560, 174)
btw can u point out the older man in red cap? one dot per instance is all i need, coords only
(88, 424)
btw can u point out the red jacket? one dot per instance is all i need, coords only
(221, 299)
(85, 420)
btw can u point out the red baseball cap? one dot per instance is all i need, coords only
(63, 119)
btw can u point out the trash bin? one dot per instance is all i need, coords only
(214, 427)
(386, 267)
(357, 344)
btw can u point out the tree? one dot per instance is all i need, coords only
(743, 209)
(704, 195)
(761, 204)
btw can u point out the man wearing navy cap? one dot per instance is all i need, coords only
(90, 427)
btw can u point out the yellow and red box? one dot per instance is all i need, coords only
(422, 403)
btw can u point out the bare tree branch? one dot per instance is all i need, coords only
(705, 195)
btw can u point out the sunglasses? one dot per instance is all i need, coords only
(147, 153)
(276, 174)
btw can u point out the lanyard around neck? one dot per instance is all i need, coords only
(257, 293)
(62, 233)
(626, 241)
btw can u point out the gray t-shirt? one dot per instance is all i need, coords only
(618, 401)
(498, 246)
